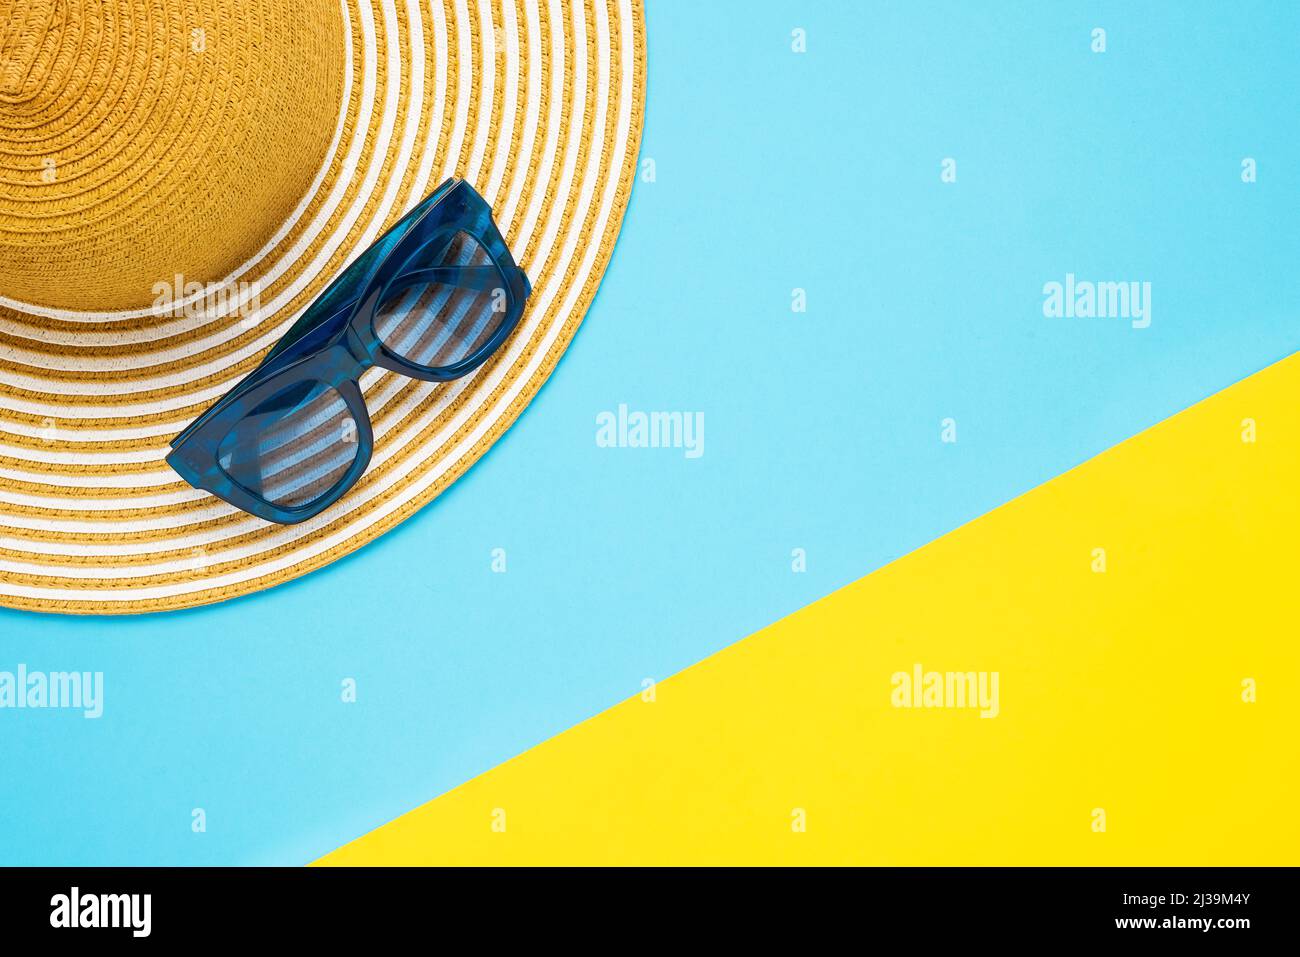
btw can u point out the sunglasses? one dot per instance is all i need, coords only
(433, 299)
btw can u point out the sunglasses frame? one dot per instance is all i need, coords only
(334, 342)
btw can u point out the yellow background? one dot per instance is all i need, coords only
(1119, 691)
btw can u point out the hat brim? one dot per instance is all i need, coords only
(542, 113)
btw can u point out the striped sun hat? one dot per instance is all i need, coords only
(180, 178)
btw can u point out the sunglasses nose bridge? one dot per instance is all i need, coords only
(359, 350)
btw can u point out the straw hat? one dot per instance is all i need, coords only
(179, 179)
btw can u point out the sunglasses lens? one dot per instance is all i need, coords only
(294, 448)
(446, 307)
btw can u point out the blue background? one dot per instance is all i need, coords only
(774, 170)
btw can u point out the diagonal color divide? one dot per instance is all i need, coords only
(1123, 734)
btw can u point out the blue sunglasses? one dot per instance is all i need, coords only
(432, 299)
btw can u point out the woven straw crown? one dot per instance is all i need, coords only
(180, 178)
(155, 139)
